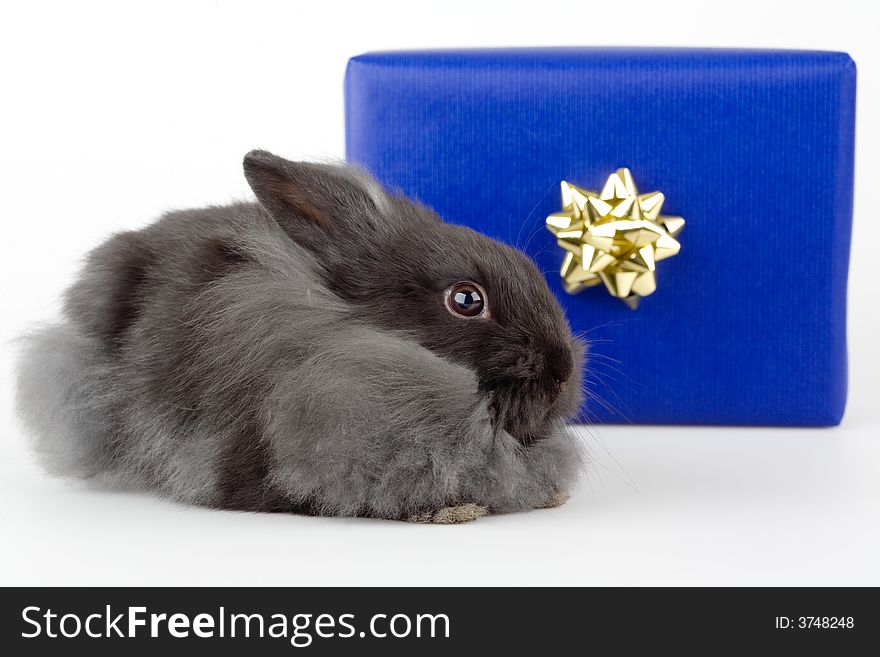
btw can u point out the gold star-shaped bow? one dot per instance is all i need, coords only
(614, 237)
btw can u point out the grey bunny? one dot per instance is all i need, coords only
(333, 349)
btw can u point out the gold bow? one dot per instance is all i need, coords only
(614, 237)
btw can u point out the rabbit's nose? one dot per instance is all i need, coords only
(559, 369)
(554, 389)
(559, 366)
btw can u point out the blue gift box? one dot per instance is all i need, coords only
(753, 148)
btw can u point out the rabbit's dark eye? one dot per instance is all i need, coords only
(466, 300)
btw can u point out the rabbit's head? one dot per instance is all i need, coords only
(464, 296)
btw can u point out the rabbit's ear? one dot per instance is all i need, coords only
(318, 205)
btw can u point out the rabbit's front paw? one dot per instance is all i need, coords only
(559, 498)
(452, 515)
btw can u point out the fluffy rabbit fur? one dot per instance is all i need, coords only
(297, 354)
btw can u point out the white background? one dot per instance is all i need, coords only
(112, 113)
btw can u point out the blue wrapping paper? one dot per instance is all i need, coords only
(753, 148)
